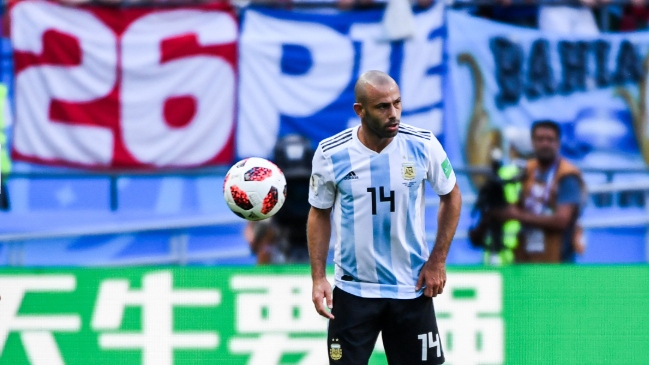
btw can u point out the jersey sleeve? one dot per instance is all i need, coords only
(440, 174)
(322, 186)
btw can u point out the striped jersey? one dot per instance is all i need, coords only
(378, 207)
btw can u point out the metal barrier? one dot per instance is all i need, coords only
(178, 228)
(114, 176)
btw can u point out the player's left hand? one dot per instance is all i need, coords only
(432, 278)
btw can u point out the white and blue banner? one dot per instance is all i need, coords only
(298, 69)
(505, 77)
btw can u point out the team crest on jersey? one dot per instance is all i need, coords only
(335, 351)
(408, 171)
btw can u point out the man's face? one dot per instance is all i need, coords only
(546, 144)
(382, 111)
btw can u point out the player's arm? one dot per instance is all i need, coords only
(441, 177)
(322, 191)
(318, 234)
(447, 220)
(433, 274)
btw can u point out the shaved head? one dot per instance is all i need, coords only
(370, 79)
(378, 104)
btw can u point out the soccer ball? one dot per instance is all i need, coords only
(254, 189)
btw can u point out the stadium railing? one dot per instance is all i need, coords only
(178, 227)
(604, 193)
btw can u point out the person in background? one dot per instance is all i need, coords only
(634, 16)
(293, 154)
(282, 239)
(551, 201)
(266, 242)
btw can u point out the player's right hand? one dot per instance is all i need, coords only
(321, 292)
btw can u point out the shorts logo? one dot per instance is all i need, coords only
(408, 171)
(335, 351)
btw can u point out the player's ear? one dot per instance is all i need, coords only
(358, 108)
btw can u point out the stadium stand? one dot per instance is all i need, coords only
(70, 217)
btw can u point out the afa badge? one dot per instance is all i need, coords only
(335, 351)
(408, 171)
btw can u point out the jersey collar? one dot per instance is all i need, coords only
(366, 150)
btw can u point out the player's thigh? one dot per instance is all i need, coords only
(411, 335)
(353, 332)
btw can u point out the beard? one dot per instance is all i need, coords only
(380, 129)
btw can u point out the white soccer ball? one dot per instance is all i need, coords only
(254, 189)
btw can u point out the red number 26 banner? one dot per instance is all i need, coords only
(121, 88)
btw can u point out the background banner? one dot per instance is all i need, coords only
(505, 77)
(298, 71)
(533, 315)
(107, 87)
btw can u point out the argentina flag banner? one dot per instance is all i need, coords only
(504, 78)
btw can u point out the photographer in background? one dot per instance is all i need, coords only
(499, 239)
(552, 197)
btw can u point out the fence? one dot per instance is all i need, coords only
(608, 193)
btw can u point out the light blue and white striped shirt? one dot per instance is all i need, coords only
(378, 207)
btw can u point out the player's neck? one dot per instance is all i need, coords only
(372, 141)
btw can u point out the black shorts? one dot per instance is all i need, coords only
(408, 326)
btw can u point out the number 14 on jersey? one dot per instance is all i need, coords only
(382, 198)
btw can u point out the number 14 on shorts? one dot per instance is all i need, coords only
(427, 342)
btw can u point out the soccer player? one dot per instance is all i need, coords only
(369, 181)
